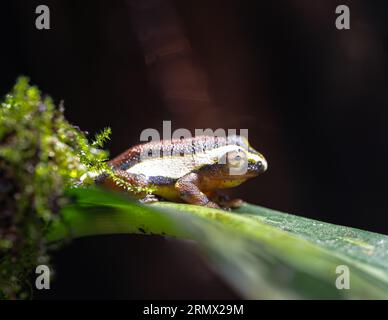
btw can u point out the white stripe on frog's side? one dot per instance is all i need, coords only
(177, 166)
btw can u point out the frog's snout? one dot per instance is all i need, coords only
(259, 166)
(262, 165)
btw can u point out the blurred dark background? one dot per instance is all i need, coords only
(313, 98)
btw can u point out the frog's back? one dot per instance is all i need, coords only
(171, 159)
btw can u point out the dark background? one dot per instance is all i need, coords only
(313, 98)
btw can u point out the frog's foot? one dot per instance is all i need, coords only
(149, 198)
(234, 203)
(212, 204)
(224, 200)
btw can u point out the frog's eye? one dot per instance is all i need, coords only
(236, 159)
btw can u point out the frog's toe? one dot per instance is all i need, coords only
(149, 198)
(231, 204)
(213, 205)
(235, 203)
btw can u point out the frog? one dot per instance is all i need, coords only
(190, 170)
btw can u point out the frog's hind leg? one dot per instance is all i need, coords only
(136, 180)
(150, 198)
(139, 180)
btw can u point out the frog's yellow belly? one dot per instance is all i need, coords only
(211, 184)
(167, 192)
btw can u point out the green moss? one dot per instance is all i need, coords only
(41, 153)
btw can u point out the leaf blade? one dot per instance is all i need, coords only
(262, 253)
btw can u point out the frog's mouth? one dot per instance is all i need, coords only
(251, 171)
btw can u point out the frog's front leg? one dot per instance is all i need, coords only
(188, 187)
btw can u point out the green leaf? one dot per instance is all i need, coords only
(262, 253)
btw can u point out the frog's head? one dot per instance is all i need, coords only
(239, 161)
(247, 163)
